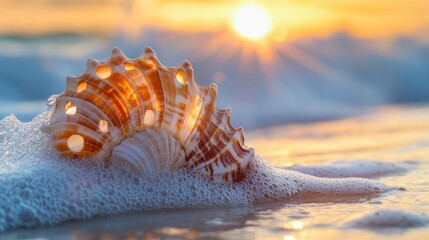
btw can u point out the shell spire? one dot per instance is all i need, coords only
(153, 117)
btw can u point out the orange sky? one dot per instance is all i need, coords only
(291, 18)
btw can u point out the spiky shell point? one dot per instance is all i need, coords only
(137, 108)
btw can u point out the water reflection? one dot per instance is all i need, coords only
(289, 237)
(275, 218)
(167, 224)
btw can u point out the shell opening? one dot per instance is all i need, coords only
(181, 77)
(81, 87)
(75, 143)
(103, 126)
(129, 66)
(70, 108)
(103, 71)
(149, 118)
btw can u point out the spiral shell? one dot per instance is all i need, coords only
(156, 118)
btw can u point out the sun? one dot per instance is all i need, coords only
(251, 22)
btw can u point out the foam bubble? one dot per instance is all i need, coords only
(40, 188)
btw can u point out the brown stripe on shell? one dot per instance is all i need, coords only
(109, 101)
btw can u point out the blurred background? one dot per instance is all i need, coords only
(274, 61)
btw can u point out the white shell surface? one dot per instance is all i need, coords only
(151, 151)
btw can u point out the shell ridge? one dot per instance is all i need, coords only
(101, 91)
(207, 108)
(142, 90)
(152, 154)
(112, 106)
(120, 151)
(121, 103)
(204, 166)
(169, 115)
(234, 165)
(73, 127)
(155, 146)
(124, 103)
(138, 81)
(212, 119)
(92, 110)
(132, 145)
(131, 99)
(75, 100)
(155, 98)
(84, 117)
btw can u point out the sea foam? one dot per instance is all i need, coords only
(38, 187)
(388, 218)
(354, 168)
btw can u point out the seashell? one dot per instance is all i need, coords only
(153, 117)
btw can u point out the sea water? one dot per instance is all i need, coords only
(361, 177)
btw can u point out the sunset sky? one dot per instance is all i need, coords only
(290, 19)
